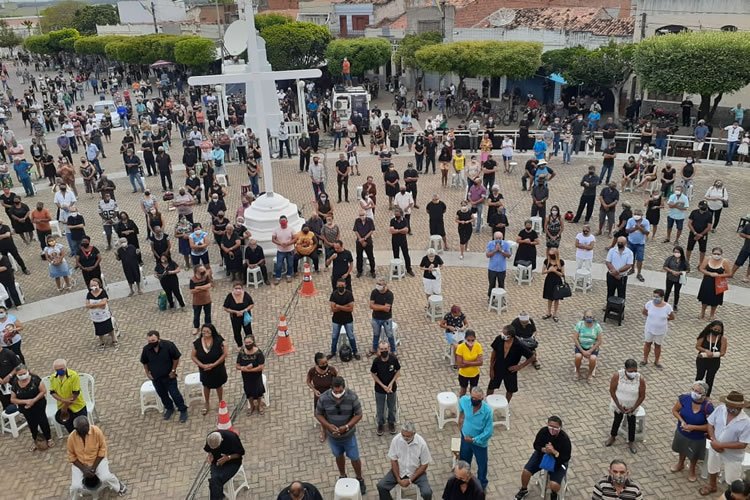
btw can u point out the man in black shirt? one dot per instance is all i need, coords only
(343, 263)
(430, 147)
(164, 162)
(304, 146)
(8, 246)
(608, 164)
(342, 176)
(539, 195)
(8, 362)
(254, 257)
(550, 440)
(529, 173)
(8, 280)
(488, 172)
(133, 169)
(147, 146)
(160, 359)
(342, 305)
(398, 228)
(363, 229)
(106, 186)
(193, 186)
(463, 486)
(577, 127)
(381, 304)
(589, 182)
(609, 130)
(77, 229)
(189, 155)
(699, 223)
(411, 177)
(385, 370)
(505, 362)
(300, 491)
(608, 199)
(225, 453)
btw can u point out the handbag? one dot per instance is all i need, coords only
(724, 202)
(547, 463)
(721, 285)
(247, 318)
(529, 342)
(683, 278)
(562, 291)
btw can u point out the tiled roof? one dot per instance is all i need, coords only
(580, 19)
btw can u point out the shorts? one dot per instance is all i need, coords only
(638, 251)
(556, 476)
(698, 146)
(468, 381)
(199, 259)
(609, 216)
(671, 222)
(741, 258)
(432, 287)
(510, 379)
(578, 351)
(702, 243)
(348, 446)
(732, 469)
(652, 338)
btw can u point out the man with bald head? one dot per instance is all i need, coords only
(87, 453)
(300, 491)
(225, 453)
(254, 257)
(498, 252)
(65, 388)
(619, 262)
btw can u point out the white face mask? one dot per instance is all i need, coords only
(637, 217)
(631, 376)
(338, 395)
(677, 255)
(25, 376)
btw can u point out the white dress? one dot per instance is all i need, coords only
(743, 149)
(627, 391)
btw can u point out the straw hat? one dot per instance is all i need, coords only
(735, 399)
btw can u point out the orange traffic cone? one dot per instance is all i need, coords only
(225, 423)
(308, 288)
(283, 342)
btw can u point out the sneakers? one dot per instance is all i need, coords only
(392, 428)
(183, 416)
(168, 414)
(410, 273)
(357, 356)
(123, 489)
(522, 493)
(331, 355)
(380, 430)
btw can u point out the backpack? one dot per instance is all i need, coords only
(345, 353)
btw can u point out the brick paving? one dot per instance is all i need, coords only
(161, 460)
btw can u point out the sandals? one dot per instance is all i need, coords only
(204, 410)
(547, 316)
(250, 411)
(261, 411)
(705, 491)
(555, 319)
(537, 365)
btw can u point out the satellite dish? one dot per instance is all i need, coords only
(235, 38)
(502, 17)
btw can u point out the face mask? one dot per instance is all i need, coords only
(384, 354)
(589, 320)
(464, 209)
(25, 376)
(323, 367)
(733, 411)
(147, 193)
(237, 291)
(61, 373)
(716, 256)
(330, 222)
(249, 346)
(215, 199)
(554, 212)
(469, 344)
(323, 198)
(637, 217)
(94, 288)
(282, 224)
(338, 395)
(3, 315)
(305, 231)
(677, 193)
(340, 289)
(476, 402)
(124, 245)
(379, 288)
(619, 479)
(677, 255)
(631, 376)
(657, 300)
(695, 396)
(586, 232)
(504, 337)
(621, 245)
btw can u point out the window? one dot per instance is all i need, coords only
(672, 28)
(729, 27)
(425, 26)
(359, 23)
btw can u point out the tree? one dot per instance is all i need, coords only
(296, 45)
(38, 44)
(9, 39)
(195, 52)
(59, 16)
(94, 45)
(363, 54)
(609, 66)
(708, 63)
(29, 25)
(63, 40)
(410, 44)
(263, 21)
(86, 18)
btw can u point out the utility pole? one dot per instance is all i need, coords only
(153, 15)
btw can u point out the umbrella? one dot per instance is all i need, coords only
(159, 64)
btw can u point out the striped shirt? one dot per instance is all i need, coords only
(604, 489)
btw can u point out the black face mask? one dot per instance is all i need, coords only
(323, 367)
(249, 346)
(621, 245)
(384, 354)
(340, 289)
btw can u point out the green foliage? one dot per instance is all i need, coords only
(363, 54)
(411, 44)
(263, 21)
(194, 51)
(8, 38)
(59, 16)
(609, 66)
(123, 50)
(38, 44)
(86, 18)
(63, 40)
(94, 45)
(481, 58)
(296, 45)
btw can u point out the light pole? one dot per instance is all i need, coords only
(222, 106)
(302, 103)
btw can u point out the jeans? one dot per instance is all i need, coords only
(136, 177)
(608, 169)
(336, 332)
(420, 161)
(381, 399)
(731, 149)
(28, 186)
(429, 159)
(282, 143)
(387, 326)
(280, 258)
(254, 187)
(577, 143)
(95, 163)
(473, 143)
(318, 187)
(336, 140)
(478, 227)
(389, 482)
(618, 421)
(197, 315)
(220, 474)
(169, 393)
(566, 148)
(661, 143)
(495, 278)
(668, 290)
(469, 450)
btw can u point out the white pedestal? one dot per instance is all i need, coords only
(262, 217)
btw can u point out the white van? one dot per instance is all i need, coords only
(346, 100)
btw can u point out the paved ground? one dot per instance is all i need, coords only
(162, 460)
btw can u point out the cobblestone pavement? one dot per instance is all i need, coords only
(161, 460)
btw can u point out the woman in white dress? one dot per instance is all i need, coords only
(628, 390)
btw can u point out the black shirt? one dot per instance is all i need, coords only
(6, 243)
(700, 220)
(6, 277)
(437, 262)
(160, 246)
(561, 443)
(164, 161)
(398, 224)
(609, 195)
(577, 127)
(90, 260)
(342, 299)
(385, 370)
(233, 305)
(411, 172)
(608, 162)
(214, 207)
(230, 445)
(8, 362)
(341, 167)
(453, 491)
(593, 181)
(160, 363)
(523, 332)
(341, 262)
(363, 228)
(254, 256)
(436, 210)
(311, 493)
(381, 299)
(76, 234)
(515, 353)
(609, 130)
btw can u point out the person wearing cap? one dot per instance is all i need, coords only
(699, 134)
(729, 433)
(543, 172)
(699, 224)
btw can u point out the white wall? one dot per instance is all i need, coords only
(133, 12)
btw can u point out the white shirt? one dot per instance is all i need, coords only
(67, 199)
(410, 456)
(738, 430)
(585, 240)
(68, 128)
(733, 133)
(617, 259)
(507, 147)
(714, 192)
(657, 321)
(404, 201)
(196, 137)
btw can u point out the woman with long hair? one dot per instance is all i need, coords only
(554, 271)
(712, 346)
(674, 266)
(209, 353)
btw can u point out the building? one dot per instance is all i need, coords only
(23, 26)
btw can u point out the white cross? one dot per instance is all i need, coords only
(252, 80)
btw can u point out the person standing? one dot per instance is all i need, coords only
(338, 411)
(364, 227)
(250, 363)
(553, 268)
(699, 224)
(732, 133)
(239, 304)
(87, 454)
(628, 390)
(469, 358)
(160, 359)
(436, 211)
(284, 238)
(691, 411)
(590, 181)
(381, 304)
(304, 147)
(399, 227)
(619, 262)
(343, 170)
(404, 201)
(713, 268)
(608, 199)
(28, 393)
(225, 452)
(550, 441)
(410, 458)
(476, 429)
(164, 162)
(637, 229)
(464, 221)
(8, 247)
(166, 271)
(200, 288)
(41, 219)
(129, 256)
(678, 204)
(318, 177)
(711, 346)
(97, 302)
(343, 264)
(608, 164)
(617, 484)
(341, 303)
(658, 313)
(584, 244)
(385, 371)
(209, 354)
(498, 252)
(432, 267)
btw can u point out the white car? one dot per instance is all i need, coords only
(99, 109)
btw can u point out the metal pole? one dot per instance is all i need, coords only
(302, 103)
(221, 30)
(153, 15)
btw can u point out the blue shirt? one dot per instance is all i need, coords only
(477, 426)
(676, 213)
(619, 260)
(739, 114)
(22, 169)
(91, 151)
(218, 155)
(540, 147)
(637, 237)
(701, 131)
(594, 116)
(498, 262)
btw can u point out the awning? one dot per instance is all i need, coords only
(159, 64)
(555, 77)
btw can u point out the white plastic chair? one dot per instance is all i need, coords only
(240, 478)
(435, 307)
(221, 179)
(397, 269)
(436, 242)
(149, 398)
(536, 224)
(498, 300)
(446, 401)
(55, 227)
(498, 402)
(51, 409)
(257, 277)
(88, 389)
(524, 274)
(193, 387)
(267, 394)
(582, 280)
(12, 423)
(347, 489)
